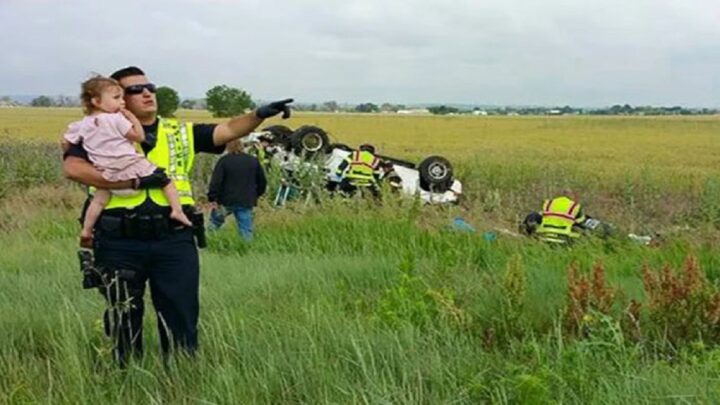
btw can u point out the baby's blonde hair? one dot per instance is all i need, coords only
(92, 88)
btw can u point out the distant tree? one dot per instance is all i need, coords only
(387, 107)
(367, 108)
(224, 101)
(42, 101)
(567, 110)
(187, 104)
(168, 101)
(330, 106)
(66, 101)
(443, 110)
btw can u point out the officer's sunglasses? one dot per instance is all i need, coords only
(138, 88)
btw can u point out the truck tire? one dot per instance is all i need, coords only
(281, 134)
(436, 173)
(279, 131)
(309, 140)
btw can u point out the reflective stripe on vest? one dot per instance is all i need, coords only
(559, 216)
(174, 152)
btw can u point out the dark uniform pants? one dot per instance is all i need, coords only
(170, 265)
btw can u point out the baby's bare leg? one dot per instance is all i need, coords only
(176, 211)
(98, 203)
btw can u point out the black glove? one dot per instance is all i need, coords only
(158, 179)
(275, 108)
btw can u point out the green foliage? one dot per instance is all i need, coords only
(330, 106)
(224, 101)
(335, 305)
(42, 101)
(25, 164)
(407, 300)
(367, 108)
(443, 110)
(709, 211)
(348, 301)
(514, 290)
(168, 101)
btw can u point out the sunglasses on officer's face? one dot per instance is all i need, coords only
(138, 88)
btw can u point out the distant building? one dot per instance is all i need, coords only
(8, 103)
(414, 111)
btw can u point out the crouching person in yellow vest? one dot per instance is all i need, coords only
(561, 222)
(361, 170)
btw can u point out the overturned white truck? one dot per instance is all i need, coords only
(432, 180)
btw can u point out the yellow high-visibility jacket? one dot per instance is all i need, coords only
(174, 152)
(559, 216)
(360, 168)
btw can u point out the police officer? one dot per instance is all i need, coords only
(360, 170)
(135, 242)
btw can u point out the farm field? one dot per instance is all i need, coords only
(351, 302)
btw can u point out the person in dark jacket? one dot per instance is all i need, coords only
(237, 182)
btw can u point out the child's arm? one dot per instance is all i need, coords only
(80, 170)
(136, 132)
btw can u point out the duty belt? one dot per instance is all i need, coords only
(133, 225)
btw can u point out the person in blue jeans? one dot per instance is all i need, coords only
(237, 182)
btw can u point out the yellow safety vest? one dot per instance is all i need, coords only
(559, 216)
(174, 152)
(362, 167)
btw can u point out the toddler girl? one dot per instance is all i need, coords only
(107, 134)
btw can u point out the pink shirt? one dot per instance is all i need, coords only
(102, 137)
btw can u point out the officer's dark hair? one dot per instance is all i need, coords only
(367, 147)
(127, 72)
(234, 147)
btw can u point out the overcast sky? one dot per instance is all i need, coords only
(520, 52)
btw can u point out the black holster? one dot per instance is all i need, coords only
(198, 221)
(92, 277)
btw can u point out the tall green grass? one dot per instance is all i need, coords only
(347, 301)
(344, 305)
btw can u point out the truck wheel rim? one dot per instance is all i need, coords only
(437, 171)
(312, 142)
